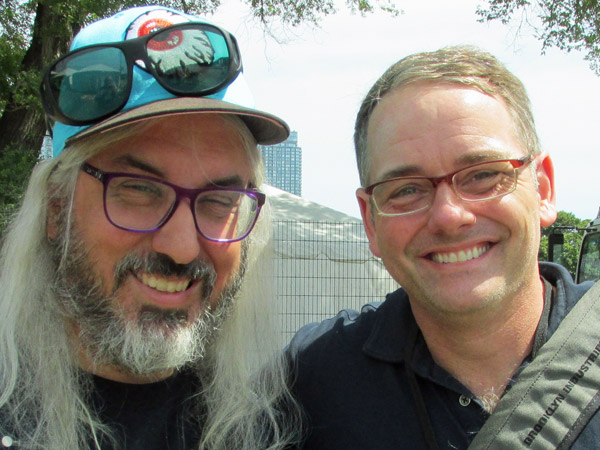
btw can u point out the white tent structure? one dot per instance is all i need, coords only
(322, 262)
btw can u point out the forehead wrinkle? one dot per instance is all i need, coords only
(234, 181)
(132, 161)
(233, 142)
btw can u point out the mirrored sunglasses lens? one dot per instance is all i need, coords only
(190, 60)
(90, 84)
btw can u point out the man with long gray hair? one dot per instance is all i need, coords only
(125, 324)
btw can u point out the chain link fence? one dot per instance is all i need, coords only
(322, 268)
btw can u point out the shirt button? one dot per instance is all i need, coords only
(464, 400)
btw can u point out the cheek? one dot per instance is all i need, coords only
(88, 212)
(226, 260)
(521, 212)
(394, 235)
(106, 244)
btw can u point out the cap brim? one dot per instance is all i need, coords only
(266, 128)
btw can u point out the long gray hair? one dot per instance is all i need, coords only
(43, 392)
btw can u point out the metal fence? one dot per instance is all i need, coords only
(322, 268)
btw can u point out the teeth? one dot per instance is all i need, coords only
(460, 256)
(164, 285)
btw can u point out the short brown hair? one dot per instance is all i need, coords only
(466, 65)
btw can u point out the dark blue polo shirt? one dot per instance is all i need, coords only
(351, 379)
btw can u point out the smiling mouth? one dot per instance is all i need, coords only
(460, 256)
(163, 284)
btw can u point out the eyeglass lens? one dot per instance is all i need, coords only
(95, 82)
(476, 183)
(144, 205)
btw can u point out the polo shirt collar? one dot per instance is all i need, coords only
(389, 335)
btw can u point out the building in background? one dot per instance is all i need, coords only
(46, 150)
(283, 165)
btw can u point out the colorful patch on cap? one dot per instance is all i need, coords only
(193, 46)
(153, 21)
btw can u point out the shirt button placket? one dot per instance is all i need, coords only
(464, 400)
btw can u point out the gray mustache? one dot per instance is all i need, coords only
(160, 264)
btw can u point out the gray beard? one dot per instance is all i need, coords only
(146, 340)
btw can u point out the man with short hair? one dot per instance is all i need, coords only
(123, 324)
(455, 189)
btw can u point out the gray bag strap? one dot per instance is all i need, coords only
(557, 393)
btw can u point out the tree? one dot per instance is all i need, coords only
(15, 167)
(34, 33)
(566, 24)
(572, 240)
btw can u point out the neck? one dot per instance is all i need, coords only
(114, 374)
(483, 349)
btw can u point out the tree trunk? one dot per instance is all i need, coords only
(24, 126)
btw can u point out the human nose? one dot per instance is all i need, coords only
(448, 212)
(178, 237)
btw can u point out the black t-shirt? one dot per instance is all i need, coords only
(156, 416)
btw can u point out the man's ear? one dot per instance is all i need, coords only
(545, 178)
(366, 211)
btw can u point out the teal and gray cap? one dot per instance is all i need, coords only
(148, 99)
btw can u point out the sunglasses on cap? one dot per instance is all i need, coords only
(93, 83)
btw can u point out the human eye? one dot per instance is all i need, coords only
(483, 179)
(404, 189)
(401, 195)
(136, 191)
(217, 204)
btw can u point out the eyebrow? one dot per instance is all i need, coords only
(465, 160)
(234, 181)
(133, 162)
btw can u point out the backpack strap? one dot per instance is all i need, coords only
(557, 393)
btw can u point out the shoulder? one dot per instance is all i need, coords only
(346, 321)
(566, 292)
(561, 279)
(348, 329)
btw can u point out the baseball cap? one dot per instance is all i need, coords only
(148, 99)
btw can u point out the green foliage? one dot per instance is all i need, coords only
(19, 81)
(566, 24)
(312, 11)
(15, 167)
(570, 251)
(590, 261)
(15, 22)
(10, 60)
(32, 33)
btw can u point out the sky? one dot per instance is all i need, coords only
(315, 79)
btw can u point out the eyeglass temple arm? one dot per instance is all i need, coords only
(96, 173)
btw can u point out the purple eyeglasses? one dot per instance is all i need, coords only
(143, 204)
